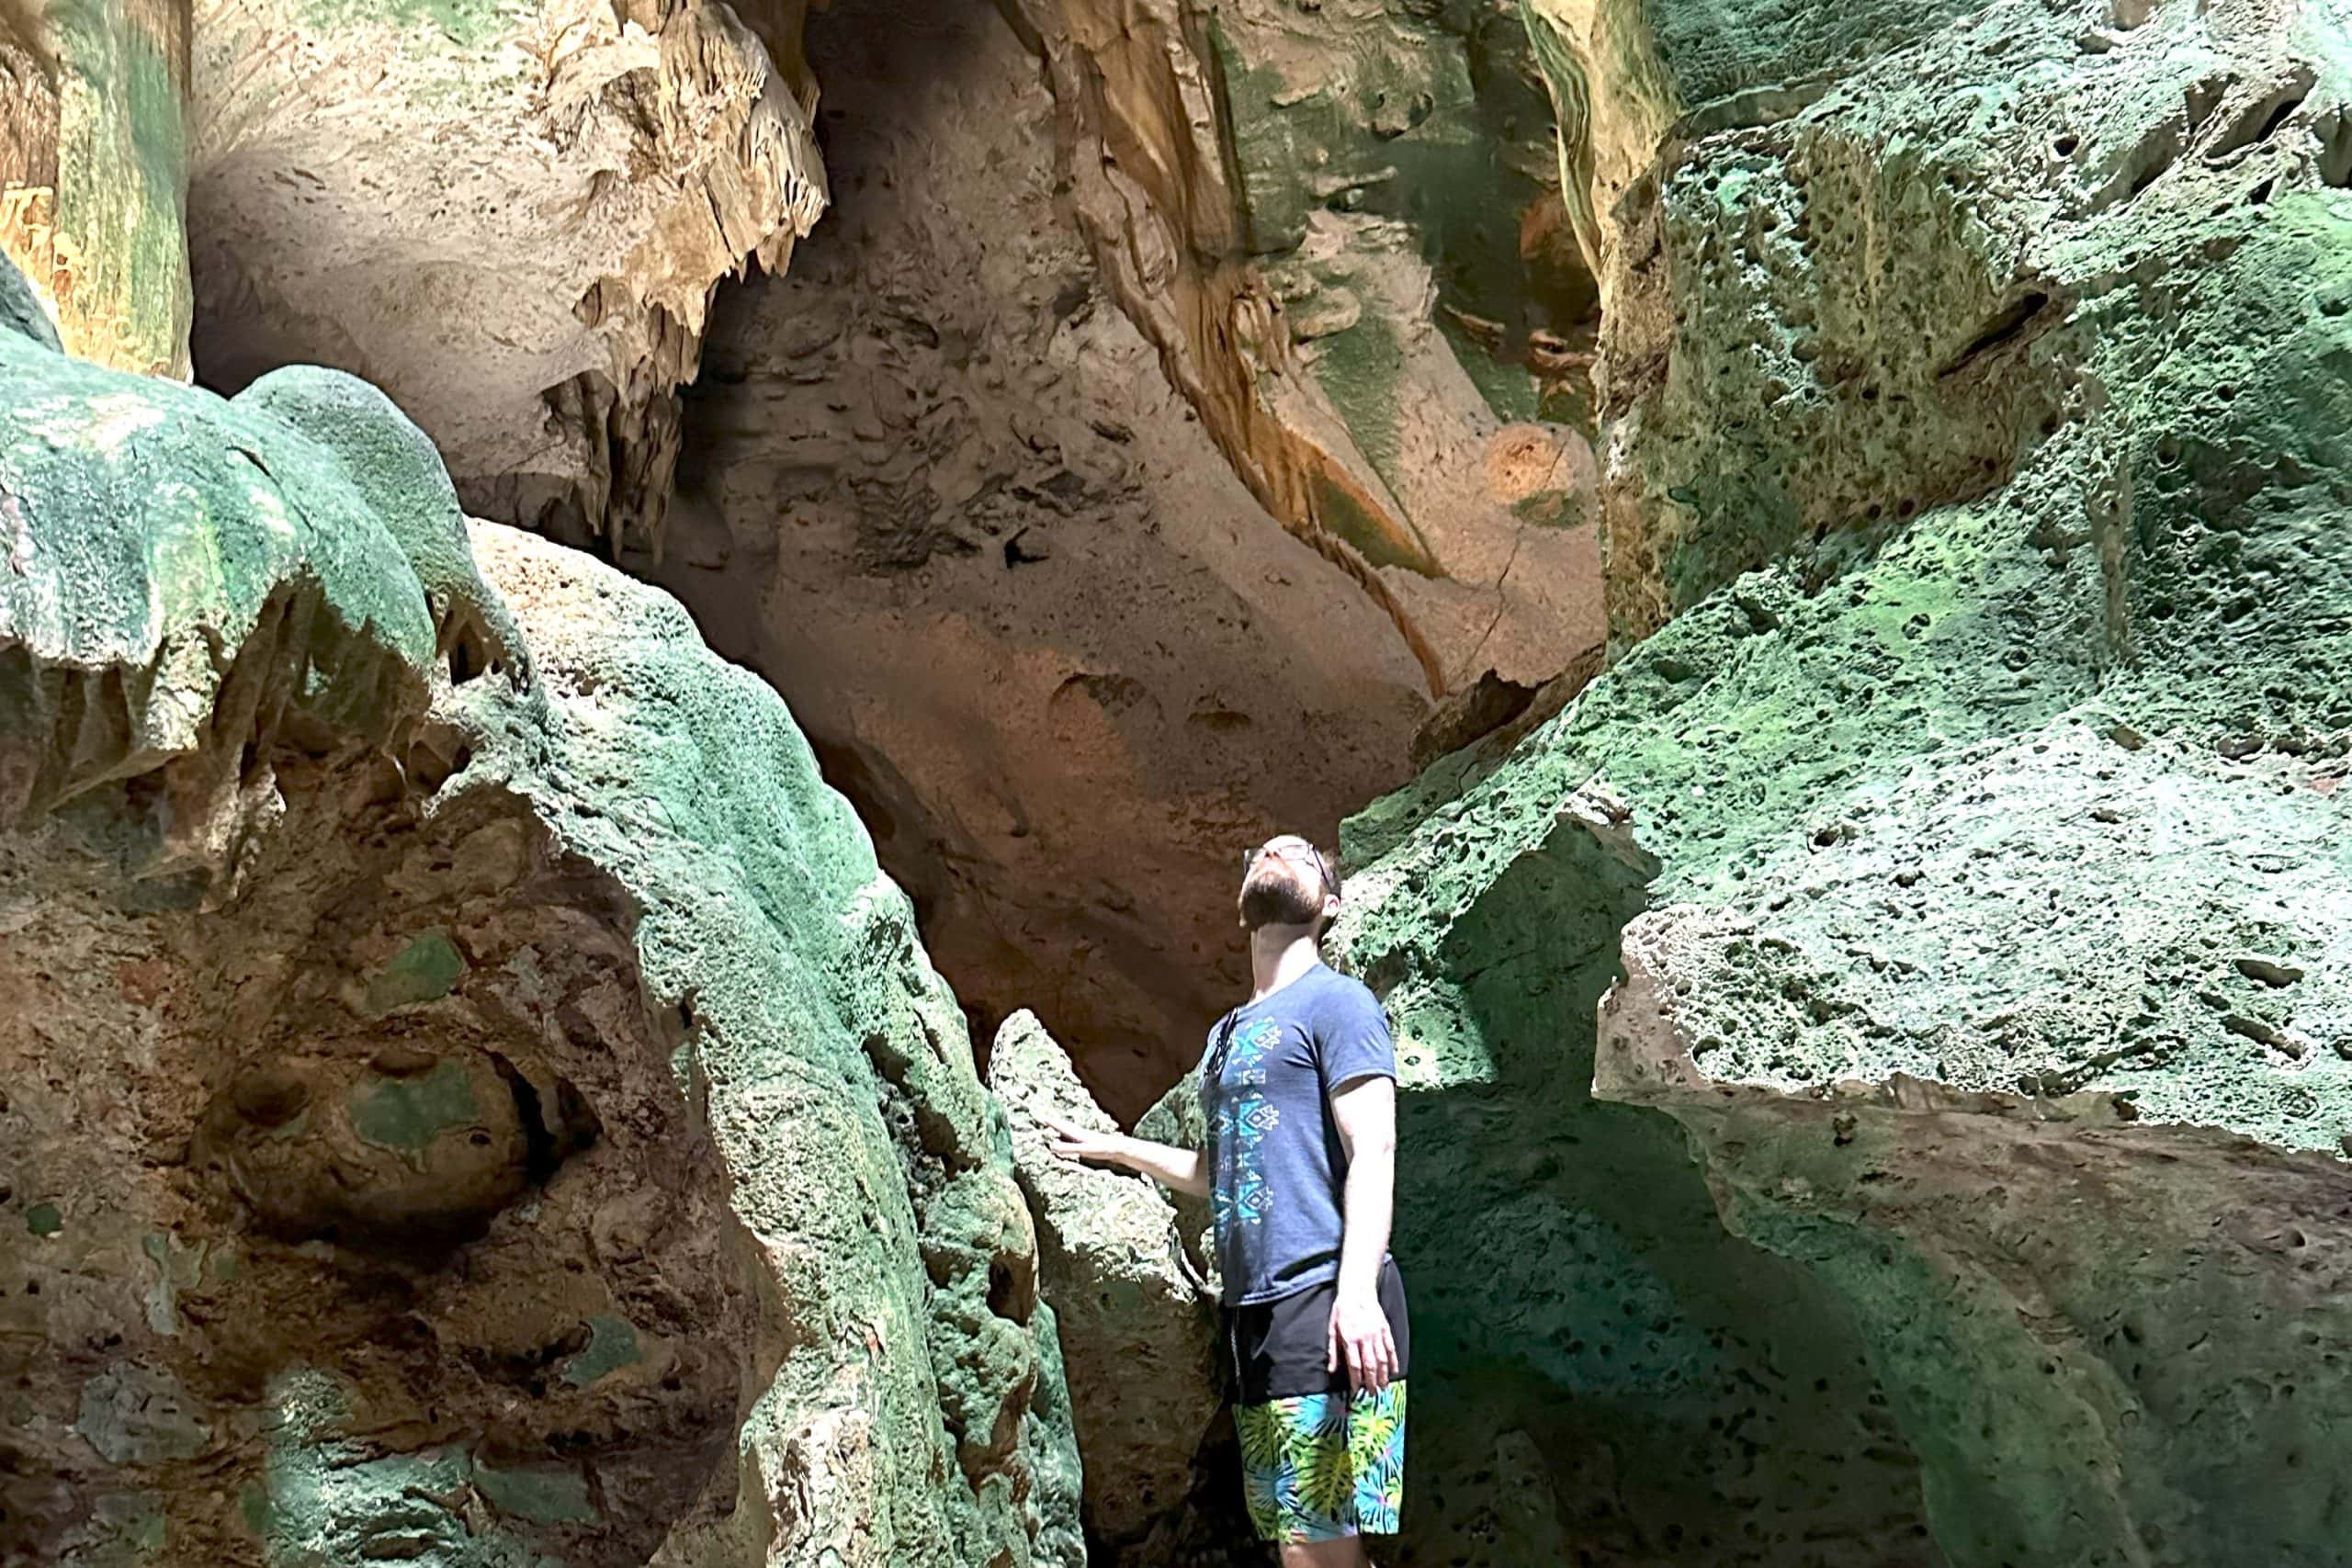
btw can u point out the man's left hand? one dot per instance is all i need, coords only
(1359, 1337)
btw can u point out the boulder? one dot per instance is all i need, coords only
(1138, 1323)
(472, 1097)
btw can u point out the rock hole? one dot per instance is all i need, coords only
(2262, 117)
(2008, 325)
(547, 1142)
(2142, 165)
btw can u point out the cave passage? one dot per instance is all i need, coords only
(939, 491)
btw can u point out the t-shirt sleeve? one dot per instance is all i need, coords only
(1353, 1041)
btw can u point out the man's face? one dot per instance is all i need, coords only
(1282, 884)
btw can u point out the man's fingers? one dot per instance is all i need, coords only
(1331, 1346)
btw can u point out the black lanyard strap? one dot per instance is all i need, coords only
(1214, 1072)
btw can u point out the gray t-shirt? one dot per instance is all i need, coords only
(1275, 1163)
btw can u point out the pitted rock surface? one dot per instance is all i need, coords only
(1968, 826)
(458, 1110)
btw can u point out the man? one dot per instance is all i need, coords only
(1298, 1090)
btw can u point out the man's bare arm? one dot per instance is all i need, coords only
(1360, 1338)
(1182, 1169)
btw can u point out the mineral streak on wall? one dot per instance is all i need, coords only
(94, 172)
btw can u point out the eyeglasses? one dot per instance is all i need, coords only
(1288, 848)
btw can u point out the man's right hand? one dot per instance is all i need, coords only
(1080, 1144)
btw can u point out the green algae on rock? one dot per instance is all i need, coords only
(1974, 535)
(678, 1187)
(94, 174)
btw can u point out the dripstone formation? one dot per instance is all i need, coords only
(508, 213)
(1165, 396)
(471, 1096)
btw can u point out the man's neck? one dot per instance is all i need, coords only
(1279, 954)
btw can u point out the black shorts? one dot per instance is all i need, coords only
(1281, 1349)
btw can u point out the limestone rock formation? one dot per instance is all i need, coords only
(1340, 226)
(942, 496)
(1138, 1327)
(94, 174)
(508, 213)
(1965, 841)
(472, 1097)
(1055, 503)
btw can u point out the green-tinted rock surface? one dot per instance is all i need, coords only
(1977, 475)
(1341, 224)
(94, 172)
(465, 1105)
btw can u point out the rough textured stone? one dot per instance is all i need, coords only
(543, 194)
(986, 502)
(94, 172)
(944, 498)
(1983, 848)
(465, 1105)
(1138, 1327)
(1596, 1360)
(1342, 233)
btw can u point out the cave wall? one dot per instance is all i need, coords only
(1098, 497)
(94, 172)
(941, 495)
(1341, 230)
(1957, 841)
(508, 214)
(471, 1096)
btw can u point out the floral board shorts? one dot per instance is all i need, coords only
(1318, 1461)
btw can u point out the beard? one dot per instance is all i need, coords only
(1273, 898)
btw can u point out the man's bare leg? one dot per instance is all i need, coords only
(1345, 1553)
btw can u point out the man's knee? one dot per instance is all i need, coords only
(1345, 1553)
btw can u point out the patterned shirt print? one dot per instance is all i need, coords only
(1238, 1128)
(1275, 1164)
